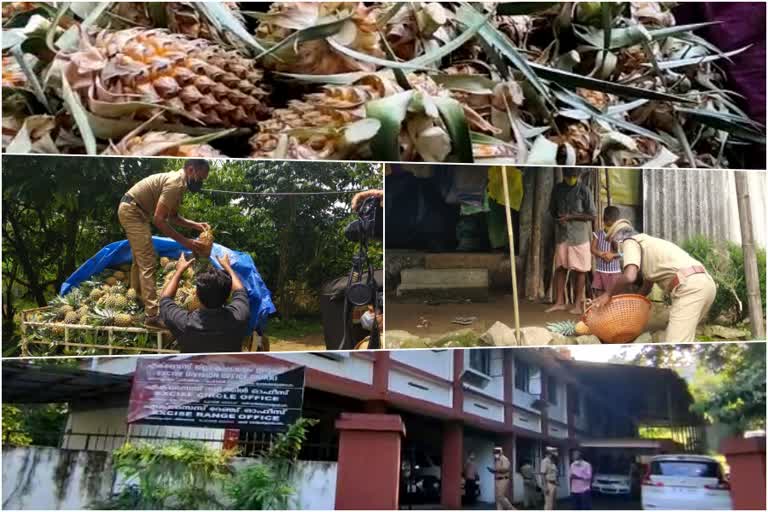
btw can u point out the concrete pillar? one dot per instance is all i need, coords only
(368, 475)
(453, 462)
(746, 457)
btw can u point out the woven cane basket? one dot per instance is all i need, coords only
(622, 320)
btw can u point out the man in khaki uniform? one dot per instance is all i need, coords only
(549, 478)
(156, 200)
(502, 473)
(658, 261)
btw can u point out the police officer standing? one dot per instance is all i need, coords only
(502, 472)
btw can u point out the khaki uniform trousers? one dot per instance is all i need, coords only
(691, 301)
(139, 235)
(501, 490)
(550, 493)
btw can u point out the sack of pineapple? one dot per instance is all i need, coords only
(97, 312)
(539, 83)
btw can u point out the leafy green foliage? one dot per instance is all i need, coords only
(730, 388)
(13, 427)
(725, 263)
(264, 484)
(38, 424)
(728, 385)
(176, 476)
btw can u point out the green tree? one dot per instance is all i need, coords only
(13, 427)
(729, 387)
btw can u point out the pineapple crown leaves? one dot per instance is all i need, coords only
(565, 328)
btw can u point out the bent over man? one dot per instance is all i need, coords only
(656, 261)
(156, 200)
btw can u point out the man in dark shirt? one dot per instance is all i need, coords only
(572, 206)
(216, 326)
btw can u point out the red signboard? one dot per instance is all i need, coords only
(243, 391)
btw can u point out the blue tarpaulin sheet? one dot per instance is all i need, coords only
(119, 253)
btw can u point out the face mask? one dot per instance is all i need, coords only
(571, 181)
(194, 186)
(366, 320)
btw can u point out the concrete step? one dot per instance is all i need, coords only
(452, 283)
(465, 260)
(446, 276)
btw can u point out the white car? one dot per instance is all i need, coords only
(615, 484)
(685, 482)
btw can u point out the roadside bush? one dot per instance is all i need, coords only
(265, 485)
(725, 263)
(176, 476)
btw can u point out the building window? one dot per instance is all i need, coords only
(576, 402)
(522, 376)
(480, 361)
(552, 390)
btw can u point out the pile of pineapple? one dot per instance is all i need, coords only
(107, 300)
(421, 81)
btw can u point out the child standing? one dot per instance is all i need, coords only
(608, 266)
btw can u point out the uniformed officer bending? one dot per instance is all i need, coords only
(658, 261)
(156, 200)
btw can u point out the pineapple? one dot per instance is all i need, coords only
(192, 302)
(11, 9)
(72, 317)
(123, 320)
(131, 294)
(164, 261)
(581, 138)
(566, 328)
(569, 328)
(13, 76)
(181, 17)
(204, 82)
(170, 266)
(104, 316)
(111, 281)
(206, 237)
(96, 294)
(418, 28)
(161, 144)
(116, 302)
(318, 57)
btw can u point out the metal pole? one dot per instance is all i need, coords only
(512, 260)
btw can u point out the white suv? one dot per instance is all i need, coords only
(685, 482)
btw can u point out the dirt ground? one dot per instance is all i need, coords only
(312, 342)
(408, 317)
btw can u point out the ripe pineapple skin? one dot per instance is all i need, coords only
(123, 320)
(156, 144)
(71, 318)
(317, 56)
(209, 84)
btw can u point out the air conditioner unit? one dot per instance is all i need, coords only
(475, 378)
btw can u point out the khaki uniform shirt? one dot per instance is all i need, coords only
(167, 188)
(502, 466)
(549, 470)
(658, 260)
